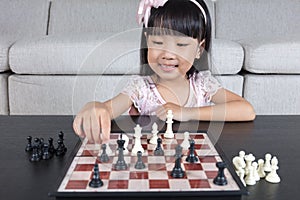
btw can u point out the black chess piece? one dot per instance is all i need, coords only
(46, 154)
(121, 164)
(220, 179)
(61, 148)
(177, 171)
(158, 150)
(139, 164)
(103, 157)
(96, 182)
(191, 156)
(51, 146)
(29, 144)
(35, 155)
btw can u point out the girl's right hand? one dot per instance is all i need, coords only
(93, 122)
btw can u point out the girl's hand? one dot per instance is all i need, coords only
(179, 113)
(91, 121)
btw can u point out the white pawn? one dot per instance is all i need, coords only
(242, 156)
(255, 173)
(250, 179)
(260, 170)
(137, 141)
(153, 139)
(273, 177)
(186, 141)
(169, 132)
(267, 165)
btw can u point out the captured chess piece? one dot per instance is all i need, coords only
(220, 179)
(35, 153)
(158, 150)
(29, 144)
(46, 154)
(61, 149)
(177, 171)
(191, 157)
(273, 177)
(51, 146)
(103, 157)
(139, 164)
(96, 182)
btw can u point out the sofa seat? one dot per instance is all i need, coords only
(278, 55)
(273, 94)
(3, 94)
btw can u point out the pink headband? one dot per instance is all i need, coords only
(146, 5)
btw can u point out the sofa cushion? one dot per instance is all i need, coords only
(226, 57)
(273, 94)
(233, 83)
(65, 95)
(3, 94)
(272, 55)
(5, 44)
(93, 53)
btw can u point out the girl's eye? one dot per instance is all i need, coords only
(157, 42)
(182, 44)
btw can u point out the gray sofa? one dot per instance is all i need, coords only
(57, 55)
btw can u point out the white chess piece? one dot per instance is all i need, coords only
(255, 172)
(169, 132)
(267, 165)
(137, 140)
(186, 141)
(242, 156)
(250, 179)
(153, 139)
(249, 159)
(241, 174)
(273, 177)
(260, 170)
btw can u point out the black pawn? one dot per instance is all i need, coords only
(103, 157)
(29, 144)
(158, 150)
(46, 154)
(220, 179)
(51, 146)
(191, 157)
(139, 164)
(61, 149)
(177, 171)
(96, 182)
(121, 164)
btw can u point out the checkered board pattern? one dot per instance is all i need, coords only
(156, 176)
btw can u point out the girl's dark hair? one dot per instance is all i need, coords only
(178, 16)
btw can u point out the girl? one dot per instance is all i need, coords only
(174, 62)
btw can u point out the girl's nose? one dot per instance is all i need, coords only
(168, 55)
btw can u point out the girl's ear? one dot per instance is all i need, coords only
(200, 49)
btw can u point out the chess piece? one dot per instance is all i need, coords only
(137, 141)
(61, 149)
(96, 182)
(241, 173)
(169, 132)
(250, 179)
(239, 163)
(103, 157)
(260, 170)
(121, 164)
(29, 144)
(249, 159)
(177, 171)
(255, 172)
(158, 150)
(46, 154)
(273, 177)
(35, 155)
(242, 156)
(125, 149)
(153, 139)
(267, 165)
(191, 156)
(139, 164)
(220, 179)
(51, 146)
(186, 142)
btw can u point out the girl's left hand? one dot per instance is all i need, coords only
(179, 113)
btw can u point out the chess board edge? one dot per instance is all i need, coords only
(230, 194)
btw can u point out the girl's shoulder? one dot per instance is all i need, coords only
(204, 80)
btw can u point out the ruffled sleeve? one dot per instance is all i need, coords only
(206, 86)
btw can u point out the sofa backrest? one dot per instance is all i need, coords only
(244, 19)
(20, 18)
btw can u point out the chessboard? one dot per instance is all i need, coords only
(154, 179)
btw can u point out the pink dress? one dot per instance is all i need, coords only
(146, 98)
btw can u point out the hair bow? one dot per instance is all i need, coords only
(145, 8)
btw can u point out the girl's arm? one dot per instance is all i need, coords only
(95, 118)
(228, 107)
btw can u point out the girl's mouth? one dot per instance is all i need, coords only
(168, 68)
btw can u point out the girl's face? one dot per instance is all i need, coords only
(170, 56)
